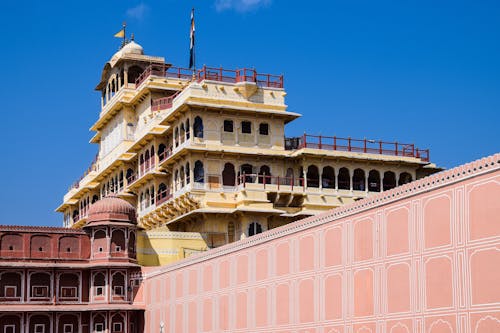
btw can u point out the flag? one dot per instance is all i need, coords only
(191, 44)
(120, 34)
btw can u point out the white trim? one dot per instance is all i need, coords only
(12, 327)
(10, 287)
(120, 329)
(39, 288)
(70, 326)
(37, 328)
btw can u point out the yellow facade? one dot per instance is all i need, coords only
(204, 158)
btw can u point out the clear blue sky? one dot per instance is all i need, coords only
(422, 71)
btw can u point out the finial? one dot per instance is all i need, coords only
(132, 36)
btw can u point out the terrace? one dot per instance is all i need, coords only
(357, 146)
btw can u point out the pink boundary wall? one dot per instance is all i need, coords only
(424, 257)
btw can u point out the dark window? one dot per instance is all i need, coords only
(254, 228)
(264, 129)
(228, 126)
(246, 127)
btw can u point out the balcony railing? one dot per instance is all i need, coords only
(212, 73)
(164, 102)
(291, 182)
(163, 196)
(356, 145)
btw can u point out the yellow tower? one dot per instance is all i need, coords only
(205, 160)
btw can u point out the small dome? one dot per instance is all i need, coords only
(132, 47)
(111, 209)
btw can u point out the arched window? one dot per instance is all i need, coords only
(389, 181)
(75, 215)
(404, 178)
(99, 283)
(344, 180)
(117, 241)
(69, 285)
(228, 175)
(162, 192)
(95, 198)
(118, 284)
(187, 130)
(152, 156)
(176, 136)
(162, 152)
(182, 133)
(130, 175)
(133, 73)
(199, 172)
(254, 228)
(289, 177)
(358, 180)
(198, 128)
(374, 181)
(328, 177)
(131, 245)
(146, 198)
(264, 175)
(182, 176)
(141, 164)
(40, 285)
(176, 179)
(120, 179)
(147, 161)
(312, 176)
(152, 195)
(247, 170)
(230, 232)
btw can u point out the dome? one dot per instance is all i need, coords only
(111, 209)
(132, 48)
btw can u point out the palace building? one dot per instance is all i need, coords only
(204, 158)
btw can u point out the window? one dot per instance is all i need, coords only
(228, 126)
(117, 327)
(99, 291)
(254, 228)
(9, 329)
(68, 292)
(10, 291)
(198, 127)
(68, 328)
(264, 129)
(39, 291)
(118, 249)
(246, 127)
(99, 327)
(118, 290)
(39, 328)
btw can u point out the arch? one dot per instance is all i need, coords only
(99, 284)
(247, 170)
(199, 172)
(389, 181)
(182, 133)
(176, 179)
(131, 245)
(188, 130)
(37, 321)
(404, 178)
(99, 242)
(11, 242)
(11, 284)
(95, 198)
(152, 195)
(117, 323)
(162, 154)
(228, 175)
(188, 173)
(120, 181)
(100, 323)
(182, 176)
(176, 136)
(40, 245)
(117, 241)
(313, 176)
(152, 156)
(69, 320)
(147, 194)
(147, 161)
(130, 174)
(198, 127)
(374, 181)
(254, 228)
(75, 215)
(69, 246)
(39, 285)
(69, 284)
(264, 174)
(118, 284)
(328, 177)
(344, 180)
(358, 180)
(133, 73)
(141, 163)
(162, 192)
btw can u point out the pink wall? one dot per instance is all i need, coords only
(424, 257)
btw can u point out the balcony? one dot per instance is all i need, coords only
(214, 74)
(334, 143)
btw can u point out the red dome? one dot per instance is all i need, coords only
(111, 209)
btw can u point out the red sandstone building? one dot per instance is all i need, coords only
(72, 281)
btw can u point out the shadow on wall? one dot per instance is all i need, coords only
(146, 253)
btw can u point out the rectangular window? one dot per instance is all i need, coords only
(9, 329)
(117, 327)
(39, 328)
(118, 290)
(40, 291)
(99, 291)
(68, 292)
(10, 291)
(99, 327)
(246, 127)
(228, 126)
(264, 129)
(68, 328)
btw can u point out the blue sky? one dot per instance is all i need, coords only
(426, 72)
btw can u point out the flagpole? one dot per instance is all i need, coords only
(124, 25)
